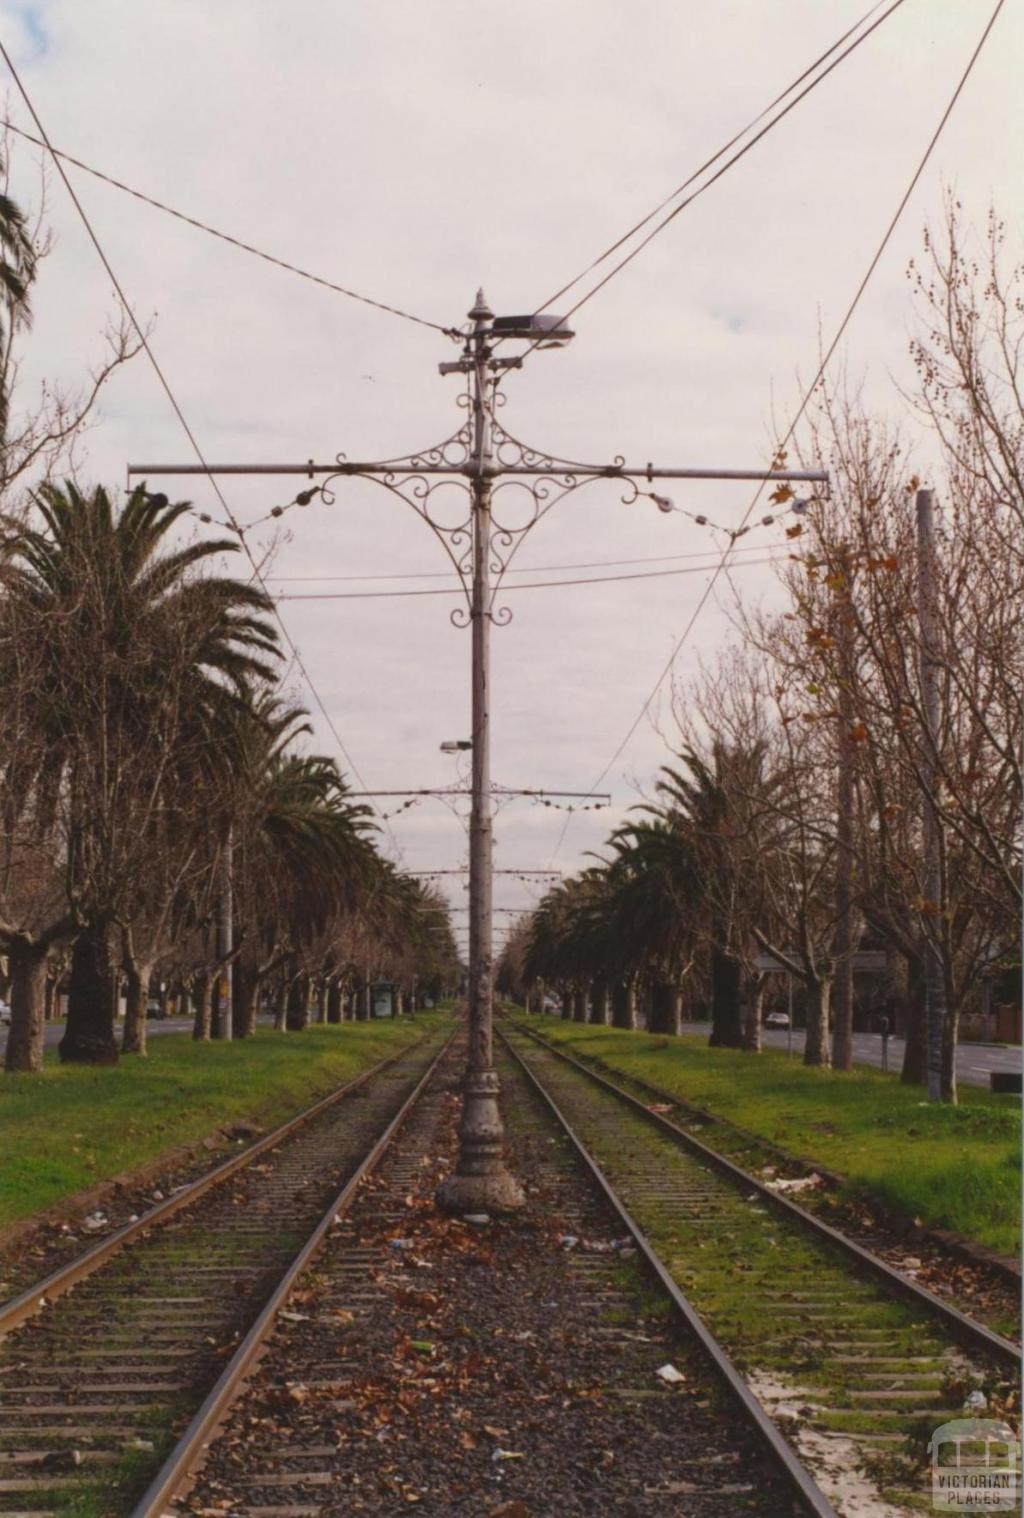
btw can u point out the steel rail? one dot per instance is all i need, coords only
(797, 1474)
(183, 1464)
(964, 1327)
(61, 1280)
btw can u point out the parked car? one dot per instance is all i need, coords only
(777, 1020)
(5, 1012)
(155, 1010)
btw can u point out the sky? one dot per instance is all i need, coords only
(414, 153)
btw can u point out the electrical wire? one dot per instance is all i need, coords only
(522, 569)
(176, 408)
(456, 590)
(823, 365)
(235, 242)
(710, 162)
(723, 169)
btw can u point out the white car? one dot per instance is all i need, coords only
(5, 1012)
(777, 1020)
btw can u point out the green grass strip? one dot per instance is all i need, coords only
(953, 1167)
(73, 1126)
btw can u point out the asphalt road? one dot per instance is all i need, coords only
(974, 1062)
(55, 1031)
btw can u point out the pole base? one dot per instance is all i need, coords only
(481, 1182)
(498, 1191)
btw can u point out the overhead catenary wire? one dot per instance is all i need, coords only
(456, 589)
(719, 172)
(235, 242)
(710, 162)
(521, 569)
(147, 347)
(728, 550)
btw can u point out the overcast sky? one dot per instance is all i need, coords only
(413, 152)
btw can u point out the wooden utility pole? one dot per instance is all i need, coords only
(223, 987)
(843, 943)
(928, 625)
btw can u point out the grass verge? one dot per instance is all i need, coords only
(952, 1167)
(74, 1126)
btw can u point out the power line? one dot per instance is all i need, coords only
(169, 393)
(723, 169)
(709, 162)
(523, 569)
(201, 226)
(833, 345)
(455, 590)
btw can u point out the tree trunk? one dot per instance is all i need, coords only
(27, 964)
(599, 1009)
(245, 990)
(915, 1051)
(816, 1047)
(137, 973)
(753, 1013)
(842, 1015)
(579, 1006)
(204, 1008)
(92, 999)
(666, 1008)
(321, 1002)
(363, 1002)
(624, 1005)
(50, 998)
(726, 1012)
(281, 1005)
(297, 1016)
(334, 1001)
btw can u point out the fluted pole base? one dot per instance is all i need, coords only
(481, 1182)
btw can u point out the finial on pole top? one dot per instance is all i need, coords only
(481, 310)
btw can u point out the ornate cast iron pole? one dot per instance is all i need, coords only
(480, 459)
(481, 1182)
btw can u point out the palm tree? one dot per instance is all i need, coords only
(17, 271)
(718, 810)
(303, 854)
(653, 889)
(137, 653)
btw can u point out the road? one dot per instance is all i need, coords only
(974, 1062)
(55, 1031)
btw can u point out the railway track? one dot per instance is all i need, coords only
(104, 1363)
(255, 1354)
(486, 1367)
(855, 1363)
